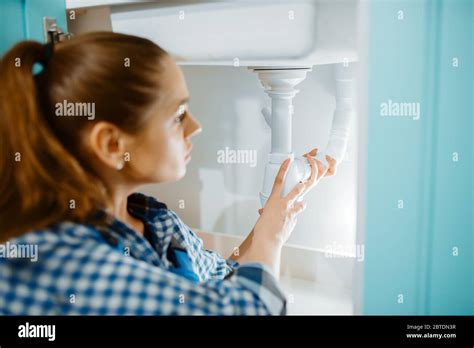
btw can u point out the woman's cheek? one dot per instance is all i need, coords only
(163, 159)
(172, 164)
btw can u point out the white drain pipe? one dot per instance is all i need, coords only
(343, 114)
(279, 84)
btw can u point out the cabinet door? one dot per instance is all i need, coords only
(23, 19)
(419, 183)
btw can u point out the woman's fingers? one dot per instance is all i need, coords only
(295, 192)
(315, 169)
(331, 171)
(277, 185)
(313, 153)
(331, 161)
(305, 186)
(322, 169)
(332, 166)
(298, 207)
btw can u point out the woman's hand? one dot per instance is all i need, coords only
(331, 170)
(278, 216)
(332, 166)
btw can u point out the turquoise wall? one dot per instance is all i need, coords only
(419, 210)
(23, 19)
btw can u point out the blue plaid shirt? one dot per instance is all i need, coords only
(109, 269)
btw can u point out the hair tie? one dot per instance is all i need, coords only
(46, 54)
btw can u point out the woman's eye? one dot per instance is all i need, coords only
(179, 118)
(180, 114)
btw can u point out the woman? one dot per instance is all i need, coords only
(106, 114)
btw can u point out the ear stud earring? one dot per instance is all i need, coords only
(120, 165)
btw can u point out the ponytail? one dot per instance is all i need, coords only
(40, 181)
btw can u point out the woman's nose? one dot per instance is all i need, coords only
(193, 127)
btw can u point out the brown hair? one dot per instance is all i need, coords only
(41, 169)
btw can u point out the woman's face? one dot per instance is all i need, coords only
(160, 152)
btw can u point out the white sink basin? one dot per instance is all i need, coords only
(298, 33)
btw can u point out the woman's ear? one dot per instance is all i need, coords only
(107, 142)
